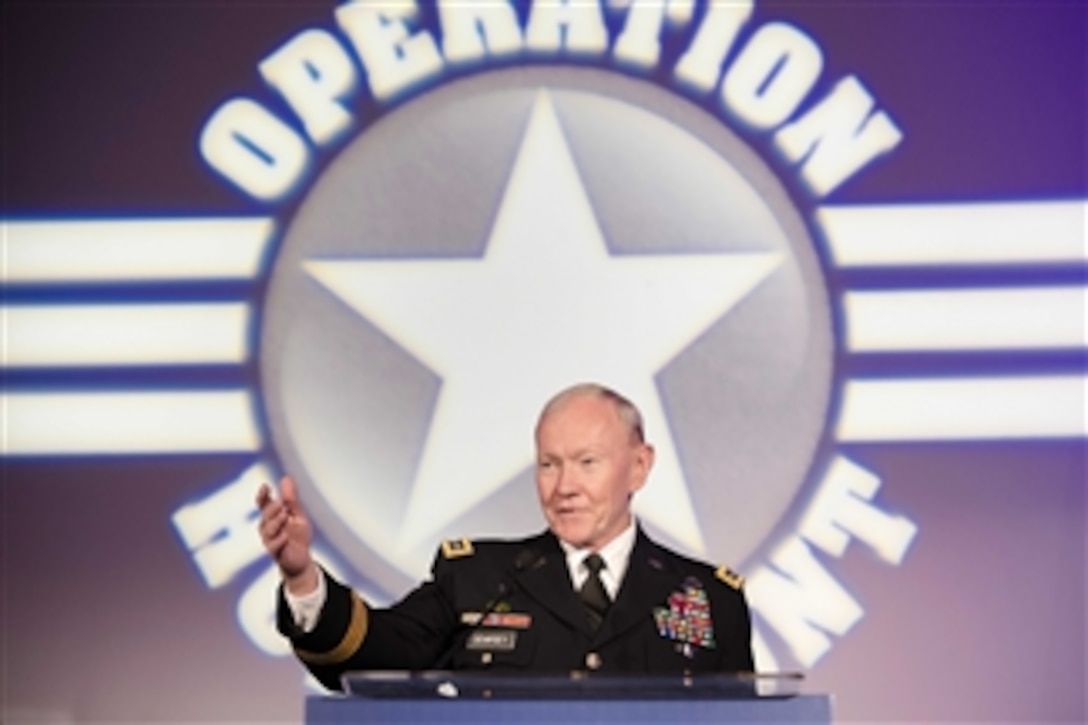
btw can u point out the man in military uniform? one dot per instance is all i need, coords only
(593, 592)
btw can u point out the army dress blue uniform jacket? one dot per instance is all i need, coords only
(671, 615)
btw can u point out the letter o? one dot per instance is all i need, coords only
(772, 75)
(254, 150)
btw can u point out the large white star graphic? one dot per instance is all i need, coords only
(547, 306)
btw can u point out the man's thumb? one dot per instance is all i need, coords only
(289, 492)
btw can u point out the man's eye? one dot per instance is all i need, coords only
(588, 461)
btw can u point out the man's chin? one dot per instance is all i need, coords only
(579, 539)
(571, 532)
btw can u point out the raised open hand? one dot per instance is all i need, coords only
(286, 533)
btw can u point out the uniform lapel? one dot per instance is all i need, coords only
(646, 584)
(548, 582)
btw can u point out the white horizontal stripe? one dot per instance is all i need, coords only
(134, 249)
(963, 409)
(128, 423)
(154, 334)
(956, 234)
(983, 319)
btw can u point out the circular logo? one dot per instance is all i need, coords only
(503, 236)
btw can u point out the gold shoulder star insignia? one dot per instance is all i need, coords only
(731, 578)
(456, 548)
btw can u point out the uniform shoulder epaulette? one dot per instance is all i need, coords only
(456, 548)
(731, 578)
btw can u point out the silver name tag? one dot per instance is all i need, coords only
(498, 640)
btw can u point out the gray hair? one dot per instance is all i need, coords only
(628, 414)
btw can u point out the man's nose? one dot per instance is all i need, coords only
(566, 481)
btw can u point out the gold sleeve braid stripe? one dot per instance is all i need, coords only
(351, 641)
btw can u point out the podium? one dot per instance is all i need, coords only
(459, 697)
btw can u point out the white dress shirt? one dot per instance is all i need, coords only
(616, 554)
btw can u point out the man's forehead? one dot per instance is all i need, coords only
(579, 430)
(597, 403)
(588, 411)
(597, 450)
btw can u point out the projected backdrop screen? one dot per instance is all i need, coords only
(835, 253)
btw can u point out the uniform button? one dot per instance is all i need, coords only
(593, 661)
(486, 658)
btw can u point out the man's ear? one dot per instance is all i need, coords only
(644, 461)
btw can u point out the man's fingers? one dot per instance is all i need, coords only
(273, 522)
(274, 518)
(264, 495)
(276, 544)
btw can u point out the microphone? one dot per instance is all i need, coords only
(525, 560)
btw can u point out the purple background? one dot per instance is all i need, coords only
(104, 616)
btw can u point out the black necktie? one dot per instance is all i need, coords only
(593, 595)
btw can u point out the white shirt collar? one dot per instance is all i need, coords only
(616, 554)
